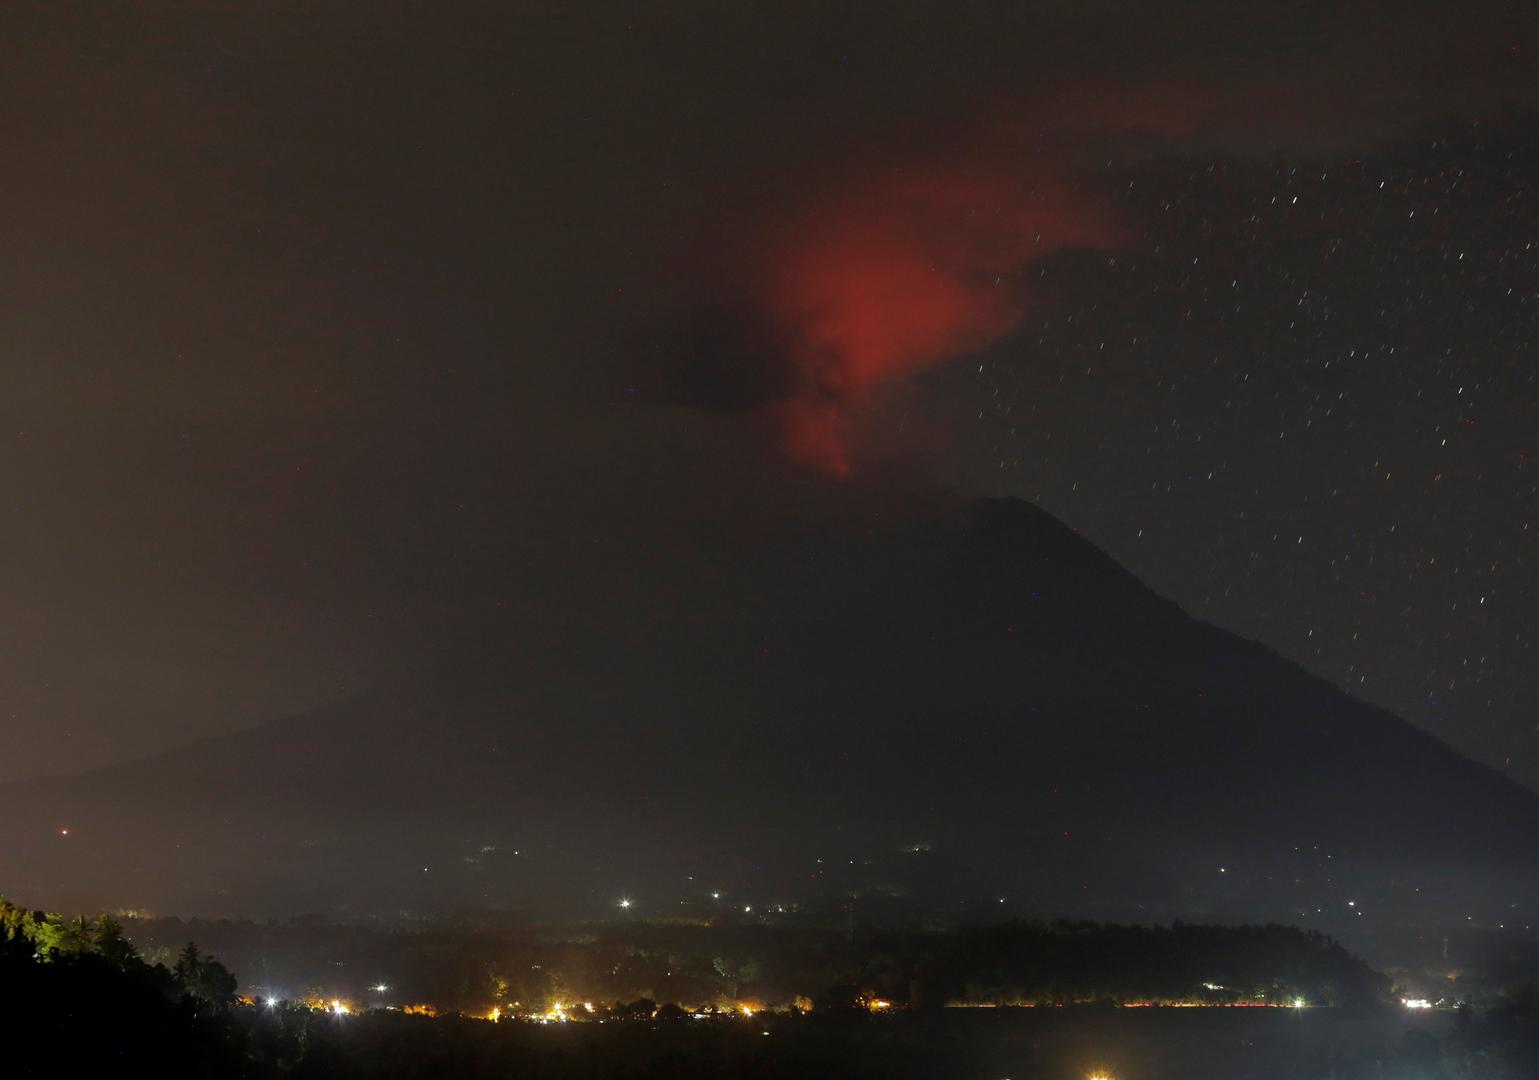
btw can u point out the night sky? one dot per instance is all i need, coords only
(328, 329)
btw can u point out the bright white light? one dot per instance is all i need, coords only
(338, 1008)
(625, 903)
(379, 988)
(272, 1003)
(716, 896)
(1416, 1003)
(1298, 1003)
(746, 910)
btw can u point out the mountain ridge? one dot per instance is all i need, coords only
(978, 682)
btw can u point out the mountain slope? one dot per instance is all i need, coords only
(970, 711)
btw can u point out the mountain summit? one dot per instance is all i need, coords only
(967, 713)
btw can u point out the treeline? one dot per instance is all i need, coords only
(77, 991)
(76, 998)
(1049, 963)
(472, 969)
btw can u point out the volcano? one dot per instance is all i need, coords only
(964, 713)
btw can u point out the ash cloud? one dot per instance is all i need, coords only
(869, 268)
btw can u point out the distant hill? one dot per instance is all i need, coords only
(970, 712)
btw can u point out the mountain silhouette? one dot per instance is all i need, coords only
(959, 713)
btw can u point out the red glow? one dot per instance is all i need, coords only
(813, 434)
(897, 276)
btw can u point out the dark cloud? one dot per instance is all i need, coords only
(717, 358)
(911, 247)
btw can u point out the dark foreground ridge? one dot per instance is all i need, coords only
(965, 715)
(81, 998)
